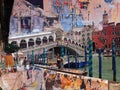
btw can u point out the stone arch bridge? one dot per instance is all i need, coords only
(47, 40)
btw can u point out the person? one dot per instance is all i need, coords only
(28, 69)
(1, 88)
(24, 62)
(62, 66)
(0, 72)
(83, 86)
(58, 61)
(24, 87)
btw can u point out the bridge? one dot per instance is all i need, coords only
(47, 40)
(79, 50)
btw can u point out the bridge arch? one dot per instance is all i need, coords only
(38, 41)
(77, 50)
(80, 45)
(51, 39)
(44, 40)
(69, 40)
(23, 44)
(65, 39)
(30, 42)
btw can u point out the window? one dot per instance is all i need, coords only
(112, 33)
(88, 34)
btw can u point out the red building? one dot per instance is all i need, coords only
(103, 39)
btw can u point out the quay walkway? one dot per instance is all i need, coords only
(44, 77)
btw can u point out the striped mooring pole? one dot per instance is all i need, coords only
(68, 54)
(85, 57)
(44, 56)
(100, 63)
(113, 61)
(90, 59)
(32, 57)
(62, 51)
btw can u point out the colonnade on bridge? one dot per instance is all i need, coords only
(46, 40)
(33, 39)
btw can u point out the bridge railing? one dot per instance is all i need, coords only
(75, 47)
(49, 45)
(38, 47)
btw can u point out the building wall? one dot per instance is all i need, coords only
(103, 39)
(82, 35)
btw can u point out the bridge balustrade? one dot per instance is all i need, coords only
(50, 45)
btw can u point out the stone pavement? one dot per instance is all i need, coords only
(2, 85)
(16, 80)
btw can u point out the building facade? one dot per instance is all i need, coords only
(82, 35)
(103, 39)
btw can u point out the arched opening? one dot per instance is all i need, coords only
(44, 40)
(38, 41)
(65, 39)
(69, 41)
(73, 42)
(76, 33)
(80, 45)
(23, 44)
(30, 43)
(14, 43)
(77, 44)
(50, 38)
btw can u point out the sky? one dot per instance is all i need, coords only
(70, 19)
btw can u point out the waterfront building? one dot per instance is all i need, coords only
(83, 34)
(103, 39)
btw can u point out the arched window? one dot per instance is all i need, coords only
(80, 45)
(73, 42)
(65, 39)
(76, 33)
(23, 44)
(30, 42)
(69, 41)
(76, 43)
(50, 38)
(38, 41)
(44, 40)
(79, 33)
